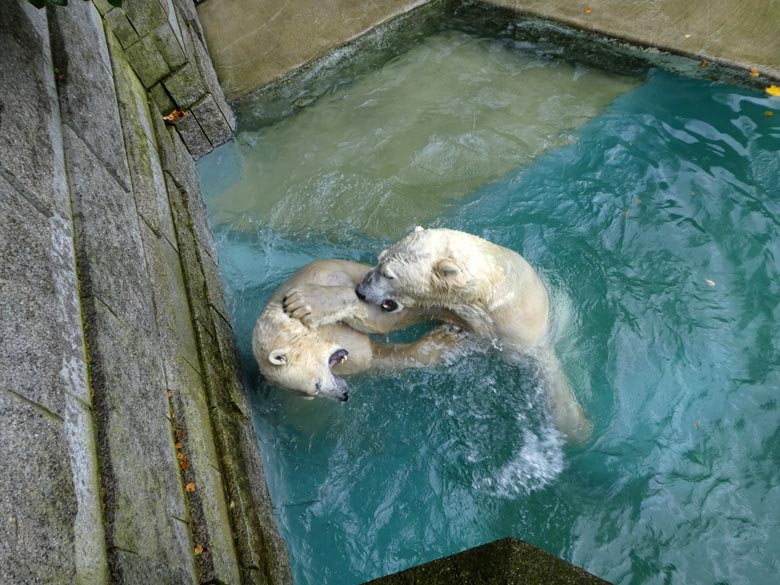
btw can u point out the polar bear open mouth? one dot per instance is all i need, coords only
(337, 357)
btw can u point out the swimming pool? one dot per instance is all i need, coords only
(651, 207)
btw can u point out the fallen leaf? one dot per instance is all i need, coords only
(704, 64)
(180, 434)
(696, 424)
(179, 456)
(638, 201)
(232, 504)
(768, 114)
(753, 72)
(178, 446)
(625, 214)
(709, 282)
(190, 487)
(198, 549)
(587, 10)
(174, 116)
(168, 393)
(184, 463)
(773, 90)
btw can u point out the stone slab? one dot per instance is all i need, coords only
(31, 347)
(162, 99)
(145, 509)
(86, 88)
(193, 136)
(145, 15)
(109, 250)
(147, 61)
(207, 501)
(185, 85)
(206, 66)
(503, 562)
(149, 190)
(29, 116)
(37, 499)
(120, 25)
(170, 46)
(212, 121)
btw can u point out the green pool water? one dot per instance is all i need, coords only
(651, 206)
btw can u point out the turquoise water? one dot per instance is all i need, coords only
(656, 223)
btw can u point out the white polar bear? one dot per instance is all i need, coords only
(491, 290)
(310, 359)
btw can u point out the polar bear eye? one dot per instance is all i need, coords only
(388, 273)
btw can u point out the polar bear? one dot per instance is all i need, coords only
(310, 359)
(492, 291)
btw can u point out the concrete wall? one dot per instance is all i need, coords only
(255, 42)
(127, 453)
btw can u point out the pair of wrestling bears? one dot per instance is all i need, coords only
(325, 311)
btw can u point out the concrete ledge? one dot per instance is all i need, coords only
(503, 562)
(255, 43)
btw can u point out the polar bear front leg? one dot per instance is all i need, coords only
(429, 350)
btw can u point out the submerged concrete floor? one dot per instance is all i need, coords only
(254, 42)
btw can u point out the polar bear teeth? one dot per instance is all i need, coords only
(338, 357)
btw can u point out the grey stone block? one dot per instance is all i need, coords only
(185, 85)
(147, 61)
(87, 95)
(110, 254)
(170, 46)
(146, 15)
(171, 305)
(203, 58)
(37, 500)
(144, 501)
(30, 344)
(214, 288)
(212, 121)
(29, 114)
(151, 196)
(193, 136)
(120, 25)
(103, 6)
(162, 99)
(208, 504)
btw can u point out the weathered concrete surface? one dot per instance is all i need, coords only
(737, 32)
(116, 464)
(503, 562)
(253, 42)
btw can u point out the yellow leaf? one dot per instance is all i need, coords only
(753, 72)
(198, 549)
(178, 446)
(768, 114)
(587, 10)
(773, 90)
(190, 487)
(704, 64)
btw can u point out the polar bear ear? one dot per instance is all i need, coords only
(446, 268)
(278, 357)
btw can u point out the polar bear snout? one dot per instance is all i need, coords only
(377, 290)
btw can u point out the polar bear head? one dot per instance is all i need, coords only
(296, 358)
(428, 267)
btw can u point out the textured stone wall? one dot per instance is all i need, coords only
(127, 453)
(164, 45)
